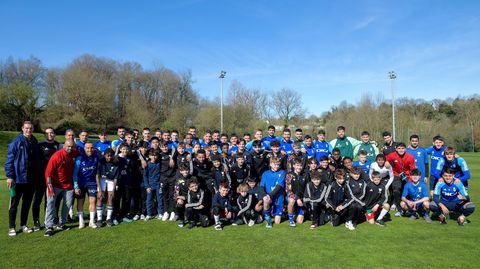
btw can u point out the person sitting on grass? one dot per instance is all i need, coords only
(257, 195)
(273, 183)
(339, 200)
(415, 198)
(314, 196)
(376, 200)
(246, 206)
(195, 208)
(449, 196)
(222, 209)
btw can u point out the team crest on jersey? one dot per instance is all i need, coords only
(380, 190)
(419, 154)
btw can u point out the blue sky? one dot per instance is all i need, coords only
(329, 51)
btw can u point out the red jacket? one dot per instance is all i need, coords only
(60, 169)
(405, 163)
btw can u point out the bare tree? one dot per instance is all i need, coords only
(287, 103)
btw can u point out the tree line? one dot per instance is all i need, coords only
(97, 93)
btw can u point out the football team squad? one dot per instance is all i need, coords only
(233, 180)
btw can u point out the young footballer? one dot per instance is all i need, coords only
(338, 200)
(181, 192)
(314, 196)
(376, 200)
(295, 183)
(246, 206)
(108, 174)
(85, 183)
(152, 184)
(451, 197)
(222, 209)
(195, 208)
(415, 200)
(273, 183)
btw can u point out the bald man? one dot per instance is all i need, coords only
(59, 179)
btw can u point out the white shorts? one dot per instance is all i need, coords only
(107, 185)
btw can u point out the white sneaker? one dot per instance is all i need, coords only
(12, 232)
(159, 217)
(165, 216)
(349, 225)
(26, 230)
(81, 225)
(137, 217)
(398, 214)
(142, 217)
(251, 223)
(92, 225)
(393, 207)
(147, 218)
(173, 216)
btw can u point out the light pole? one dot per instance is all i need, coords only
(392, 75)
(221, 77)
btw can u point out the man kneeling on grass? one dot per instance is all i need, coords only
(451, 197)
(415, 199)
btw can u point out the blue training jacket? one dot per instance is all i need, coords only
(16, 165)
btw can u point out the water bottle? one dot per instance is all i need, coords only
(12, 191)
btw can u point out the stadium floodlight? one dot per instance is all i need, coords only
(221, 77)
(392, 75)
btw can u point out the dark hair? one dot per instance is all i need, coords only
(414, 136)
(336, 150)
(315, 175)
(448, 171)
(183, 167)
(362, 152)
(376, 174)
(109, 152)
(154, 138)
(381, 156)
(339, 173)
(438, 137)
(192, 181)
(286, 130)
(257, 143)
(271, 127)
(356, 171)
(321, 131)
(400, 145)
(365, 133)
(415, 172)
(308, 137)
(298, 130)
(297, 160)
(201, 151)
(275, 143)
(323, 158)
(340, 128)
(386, 133)
(154, 152)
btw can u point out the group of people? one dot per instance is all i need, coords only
(231, 180)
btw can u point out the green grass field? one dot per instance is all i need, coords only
(402, 244)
